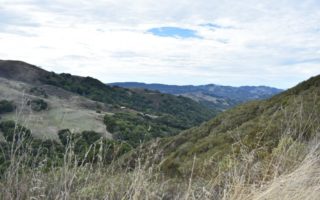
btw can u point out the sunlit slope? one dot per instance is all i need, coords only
(65, 110)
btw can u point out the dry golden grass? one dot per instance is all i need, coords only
(299, 180)
(66, 110)
(291, 171)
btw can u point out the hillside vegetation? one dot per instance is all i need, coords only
(168, 114)
(266, 149)
(257, 126)
(212, 96)
(173, 113)
(261, 150)
(142, 100)
(6, 106)
(46, 109)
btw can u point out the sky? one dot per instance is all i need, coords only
(227, 42)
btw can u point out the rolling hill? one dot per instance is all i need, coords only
(65, 109)
(257, 128)
(262, 149)
(212, 96)
(82, 102)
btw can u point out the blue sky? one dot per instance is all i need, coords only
(229, 42)
(174, 32)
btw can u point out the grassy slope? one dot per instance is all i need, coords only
(65, 110)
(255, 125)
(302, 183)
(183, 109)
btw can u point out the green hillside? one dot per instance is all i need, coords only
(257, 127)
(141, 100)
(266, 149)
(158, 114)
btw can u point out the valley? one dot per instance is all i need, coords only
(137, 140)
(212, 96)
(159, 100)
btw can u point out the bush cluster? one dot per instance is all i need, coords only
(136, 128)
(6, 106)
(38, 92)
(87, 146)
(37, 104)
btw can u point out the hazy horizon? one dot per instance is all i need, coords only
(197, 85)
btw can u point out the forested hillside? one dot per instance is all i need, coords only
(258, 127)
(211, 95)
(140, 115)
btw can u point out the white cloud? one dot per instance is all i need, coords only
(271, 43)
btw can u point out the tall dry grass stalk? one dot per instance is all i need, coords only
(28, 177)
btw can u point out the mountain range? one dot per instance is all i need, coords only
(211, 95)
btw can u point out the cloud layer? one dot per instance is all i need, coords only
(275, 42)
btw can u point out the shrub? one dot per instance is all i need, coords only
(64, 136)
(14, 132)
(38, 92)
(6, 106)
(136, 128)
(110, 122)
(37, 105)
(90, 137)
(50, 150)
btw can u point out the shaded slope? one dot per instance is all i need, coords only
(21, 71)
(255, 125)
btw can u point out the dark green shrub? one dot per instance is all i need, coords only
(110, 122)
(38, 92)
(85, 144)
(64, 136)
(49, 150)
(90, 137)
(84, 140)
(37, 105)
(14, 132)
(135, 128)
(6, 106)
(113, 149)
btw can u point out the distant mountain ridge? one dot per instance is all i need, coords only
(211, 95)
